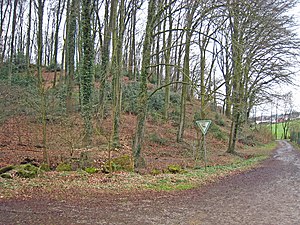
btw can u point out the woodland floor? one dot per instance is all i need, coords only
(21, 134)
(78, 198)
(268, 194)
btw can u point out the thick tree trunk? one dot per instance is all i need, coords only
(116, 70)
(70, 69)
(143, 96)
(41, 87)
(86, 77)
(237, 78)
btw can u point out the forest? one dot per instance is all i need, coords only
(91, 66)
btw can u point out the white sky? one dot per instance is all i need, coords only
(266, 108)
(296, 90)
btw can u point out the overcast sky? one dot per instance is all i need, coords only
(296, 90)
(266, 108)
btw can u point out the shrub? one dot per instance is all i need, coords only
(27, 171)
(219, 120)
(64, 167)
(54, 67)
(91, 170)
(260, 136)
(174, 169)
(155, 172)
(175, 98)
(156, 102)
(175, 114)
(157, 139)
(130, 94)
(45, 167)
(123, 162)
(197, 116)
(157, 117)
(23, 80)
(217, 132)
(19, 62)
(4, 71)
(247, 140)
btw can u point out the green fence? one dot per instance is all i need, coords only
(295, 137)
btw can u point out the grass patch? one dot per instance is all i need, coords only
(294, 125)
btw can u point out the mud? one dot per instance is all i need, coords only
(269, 194)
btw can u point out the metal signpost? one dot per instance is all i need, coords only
(203, 125)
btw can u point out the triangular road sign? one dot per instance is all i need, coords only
(203, 125)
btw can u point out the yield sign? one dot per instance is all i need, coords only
(203, 125)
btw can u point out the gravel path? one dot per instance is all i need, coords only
(267, 195)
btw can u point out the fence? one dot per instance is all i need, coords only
(295, 137)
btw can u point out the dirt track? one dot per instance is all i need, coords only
(267, 195)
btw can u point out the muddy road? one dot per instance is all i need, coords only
(267, 195)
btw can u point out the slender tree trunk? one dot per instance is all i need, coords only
(131, 61)
(5, 44)
(186, 72)
(167, 63)
(46, 44)
(116, 69)
(10, 73)
(57, 25)
(108, 20)
(157, 59)
(4, 9)
(28, 39)
(65, 54)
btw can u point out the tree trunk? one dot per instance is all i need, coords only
(115, 69)
(57, 25)
(70, 69)
(28, 39)
(108, 20)
(41, 87)
(237, 77)
(10, 73)
(186, 71)
(131, 60)
(167, 63)
(86, 77)
(143, 96)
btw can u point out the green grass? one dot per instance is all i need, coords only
(294, 124)
(195, 178)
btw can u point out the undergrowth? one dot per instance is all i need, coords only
(83, 183)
